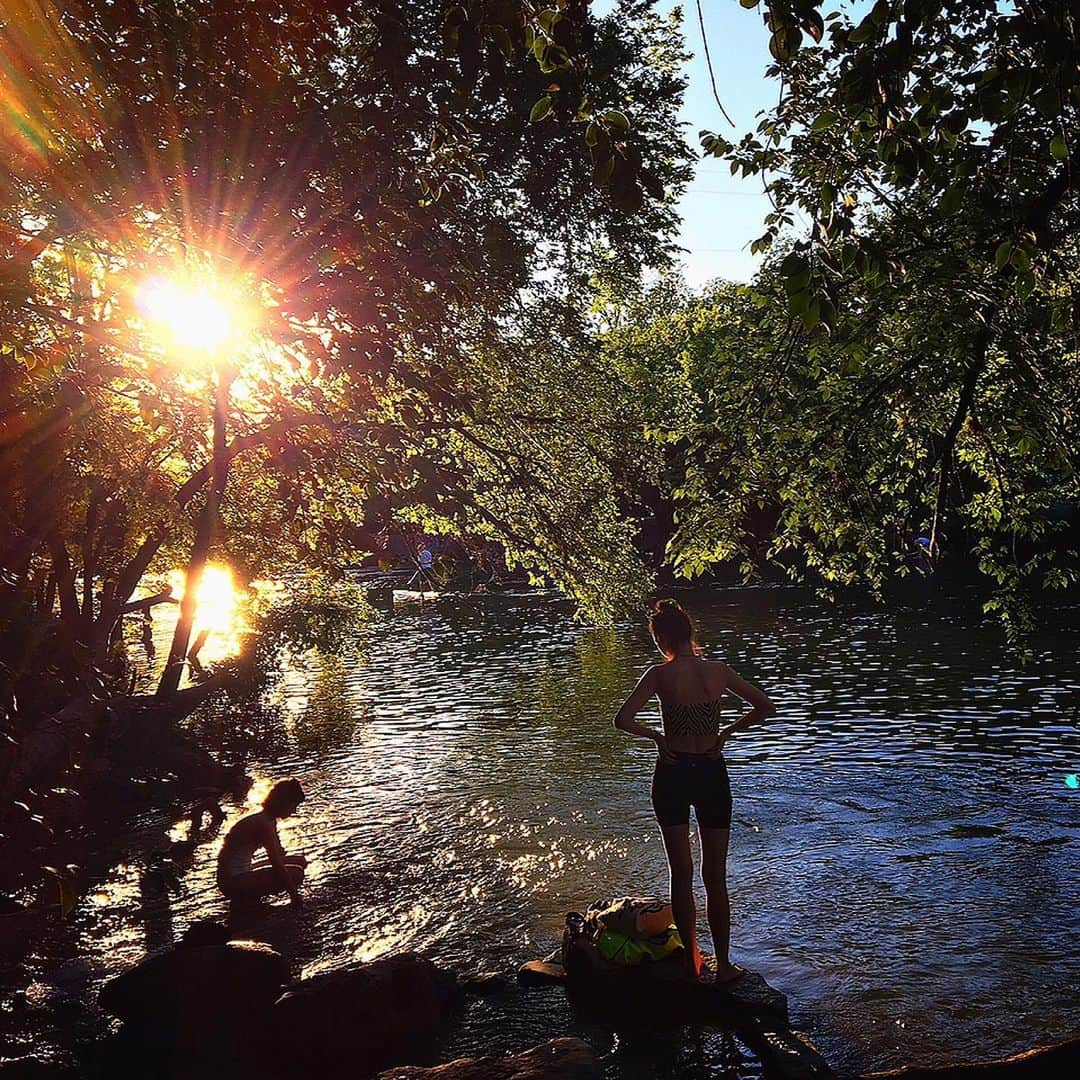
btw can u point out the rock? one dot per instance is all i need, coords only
(661, 982)
(541, 973)
(487, 982)
(205, 932)
(381, 1014)
(560, 1059)
(199, 988)
(785, 1054)
(1059, 1061)
(31, 1068)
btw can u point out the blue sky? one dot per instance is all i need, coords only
(723, 213)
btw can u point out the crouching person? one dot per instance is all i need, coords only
(242, 878)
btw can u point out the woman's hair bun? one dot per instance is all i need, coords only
(672, 627)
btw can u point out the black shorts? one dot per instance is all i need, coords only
(697, 780)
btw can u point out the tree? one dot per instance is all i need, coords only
(374, 192)
(931, 146)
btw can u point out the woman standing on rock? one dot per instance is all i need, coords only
(690, 771)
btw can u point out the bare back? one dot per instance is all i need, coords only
(250, 833)
(690, 680)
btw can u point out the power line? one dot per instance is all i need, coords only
(718, 191)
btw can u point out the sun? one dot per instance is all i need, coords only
(193, 315)
(216, 598)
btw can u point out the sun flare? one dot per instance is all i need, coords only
(217, 599)
(193, 316)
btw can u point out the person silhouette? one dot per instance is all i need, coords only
(690, 771)
(243, 880)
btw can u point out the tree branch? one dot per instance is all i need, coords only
(187, 491)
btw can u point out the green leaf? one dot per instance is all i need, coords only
(799, 302)
(797, 282)
(1003, 254)
(1059, 148)
(502, 40)
(541, 109)
(825, 120)
(548, 18)
(951, 200)
(814, 25)
(784, 44)
(863, 32)
(617, 120)
(793, 264)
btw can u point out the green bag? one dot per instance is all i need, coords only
(619, 948)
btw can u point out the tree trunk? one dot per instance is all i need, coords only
(204, 536)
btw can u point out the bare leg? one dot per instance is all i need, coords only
(262, 881)
(714, 851)
(681, 865)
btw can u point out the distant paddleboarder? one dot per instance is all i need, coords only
(690, 771)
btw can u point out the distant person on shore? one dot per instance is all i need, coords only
(245, 881)
(691, 772)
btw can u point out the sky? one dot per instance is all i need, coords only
(721, 213)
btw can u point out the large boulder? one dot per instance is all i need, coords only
(31, 1068)
(663, 986)
(366, 1017)
(560, 1059)
(201, 986)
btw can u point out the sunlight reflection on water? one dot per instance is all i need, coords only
(903, 852)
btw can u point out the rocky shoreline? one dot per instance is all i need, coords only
(213, 1007)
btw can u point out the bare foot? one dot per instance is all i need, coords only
(728, 973)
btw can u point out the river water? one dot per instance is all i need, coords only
(903, 855)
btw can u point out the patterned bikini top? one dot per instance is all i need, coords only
(699, 718)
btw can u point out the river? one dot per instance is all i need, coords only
(903, 856)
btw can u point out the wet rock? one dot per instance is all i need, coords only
(199, 988)
(31, 1068)
(205, 932)
(560, 1059)
(1059, 1061)
(383, 1013)
(785, 1054)
(541, 973)
(660, 984)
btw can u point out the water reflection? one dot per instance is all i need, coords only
(903, 854)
